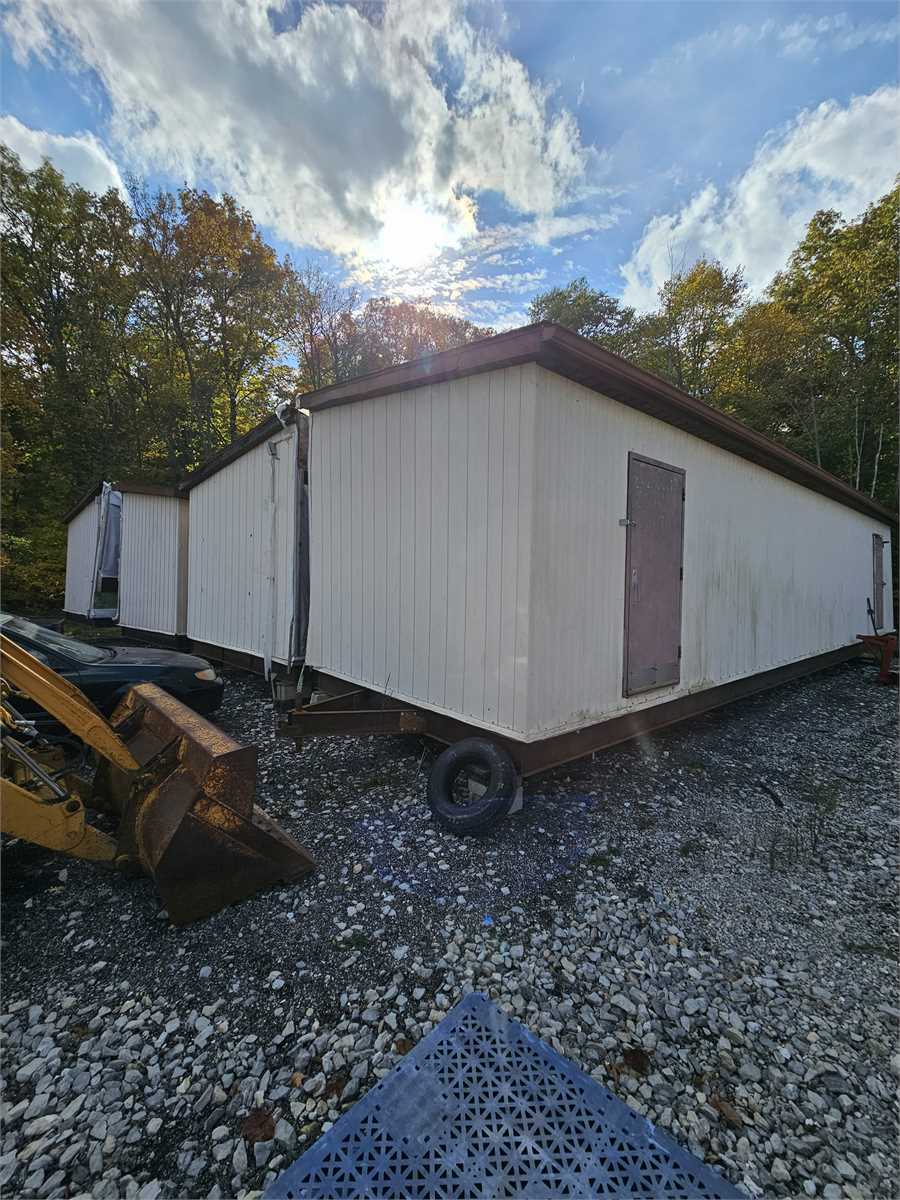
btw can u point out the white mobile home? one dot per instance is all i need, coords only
(530, 536)
(153, 560)
(92, 554)
(246, 516)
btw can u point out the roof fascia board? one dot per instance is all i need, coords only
(568, 354)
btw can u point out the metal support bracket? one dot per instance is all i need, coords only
(330, 722)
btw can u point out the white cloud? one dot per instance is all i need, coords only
(329, 131)
(807, 36)
(542, 231)
(804, 37)
(829, 157)
(81, 158)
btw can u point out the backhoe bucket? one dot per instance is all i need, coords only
(188, 816)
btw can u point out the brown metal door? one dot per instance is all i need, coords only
(653, 574)
(878, 578)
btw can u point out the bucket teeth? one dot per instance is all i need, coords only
(189, 818)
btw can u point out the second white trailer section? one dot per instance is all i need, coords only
(153, 560)
(243, 557)
(532, 536)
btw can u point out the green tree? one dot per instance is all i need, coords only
(69, 413)
(591, 313)
(177, 362)
(687, 336)
(136, 341)
(681, 340)
(840, 286)
(773, 375)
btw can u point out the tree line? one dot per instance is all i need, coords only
(141, 335)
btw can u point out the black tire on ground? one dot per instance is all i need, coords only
(480, 813)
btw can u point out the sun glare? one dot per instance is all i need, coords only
(412, 235)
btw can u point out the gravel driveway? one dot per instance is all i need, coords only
(705, 921)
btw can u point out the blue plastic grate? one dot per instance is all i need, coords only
(482, 1109)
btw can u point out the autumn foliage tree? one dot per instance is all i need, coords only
(217, 301)
(335, 338)
(140, 335)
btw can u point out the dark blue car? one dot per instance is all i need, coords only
(105, 673)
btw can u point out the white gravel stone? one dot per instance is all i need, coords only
(630, 905)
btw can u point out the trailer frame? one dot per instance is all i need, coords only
(348, 710)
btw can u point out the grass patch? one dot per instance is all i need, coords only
(91, 633)
(358, 941)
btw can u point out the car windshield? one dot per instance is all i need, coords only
(48, 640)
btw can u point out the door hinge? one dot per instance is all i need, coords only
(681, 572)
(625, 522)
(679, 654)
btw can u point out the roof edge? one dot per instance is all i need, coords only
(576, 358)
(558, 349)
(486, 354)
(249, 441)
(138, 487)
(83, 501)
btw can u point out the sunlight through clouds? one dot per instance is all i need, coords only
(338, 131)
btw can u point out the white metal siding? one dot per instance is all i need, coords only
(773, 572)
(420, 544)
(242, 552)
(152, 562)
(81, 553)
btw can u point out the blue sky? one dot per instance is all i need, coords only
(475, 153)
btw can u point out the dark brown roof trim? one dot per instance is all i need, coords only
(250, 440)
(130, 485)
(83, 502)
(574, 357)
(139, 488)
(487, 354)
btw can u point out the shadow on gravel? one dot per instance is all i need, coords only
(545, 841)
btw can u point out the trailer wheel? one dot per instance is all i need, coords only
(450, 792)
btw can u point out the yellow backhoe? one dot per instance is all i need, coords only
(182, 790)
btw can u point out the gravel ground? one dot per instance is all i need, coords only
(705, 921)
